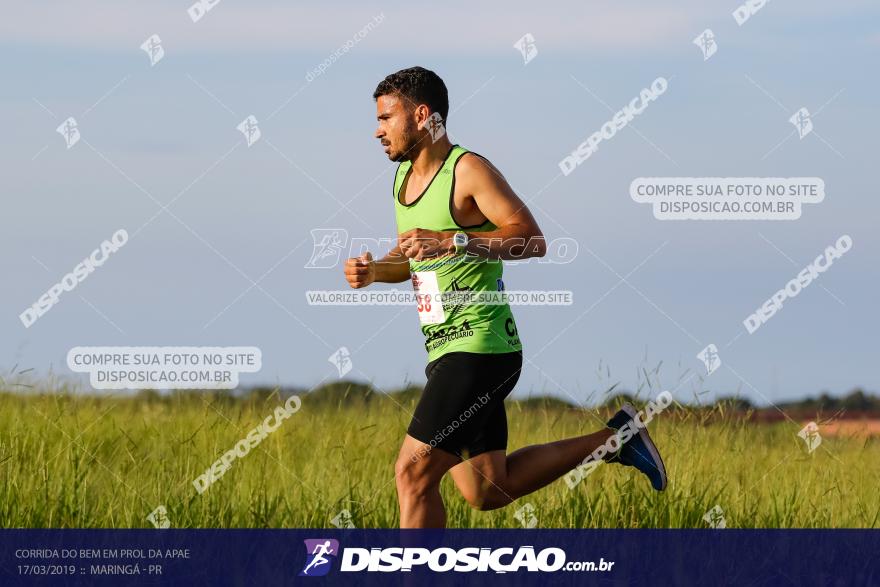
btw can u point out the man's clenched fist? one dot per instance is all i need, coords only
(360, 271)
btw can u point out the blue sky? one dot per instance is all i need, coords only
(186, 277)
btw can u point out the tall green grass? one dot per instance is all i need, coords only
(84, 461)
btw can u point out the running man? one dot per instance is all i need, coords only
(319, 552)
(457, 220)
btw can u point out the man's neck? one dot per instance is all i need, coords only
(430, 157)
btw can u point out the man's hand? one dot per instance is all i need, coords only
(419, 243)
(360, 271)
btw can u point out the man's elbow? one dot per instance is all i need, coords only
(537, 245)
(525, 241)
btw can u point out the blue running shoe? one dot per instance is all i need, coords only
(639, 451)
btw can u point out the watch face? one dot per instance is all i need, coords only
(460, 239)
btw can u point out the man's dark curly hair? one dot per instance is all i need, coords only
(418, 85)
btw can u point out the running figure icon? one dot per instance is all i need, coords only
(320, 550)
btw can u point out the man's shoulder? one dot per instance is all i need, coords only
(471, 161)
(476, 166)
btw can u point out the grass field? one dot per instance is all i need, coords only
(85, 461)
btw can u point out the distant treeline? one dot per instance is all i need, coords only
(341, 394)
(349, 393)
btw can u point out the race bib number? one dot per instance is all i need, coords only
(427, 291)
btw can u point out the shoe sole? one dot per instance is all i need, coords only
(646, 438)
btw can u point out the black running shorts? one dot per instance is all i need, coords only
(461, 410)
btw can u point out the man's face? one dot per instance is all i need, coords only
(397, 131)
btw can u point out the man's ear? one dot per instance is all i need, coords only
(422, 114)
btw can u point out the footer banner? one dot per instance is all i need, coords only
(375, 557)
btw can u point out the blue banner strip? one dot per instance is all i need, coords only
(380, 557)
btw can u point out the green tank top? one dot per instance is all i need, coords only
(450, 326)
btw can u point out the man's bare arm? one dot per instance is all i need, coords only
(517, 235)
(393, 267)
(362, 271)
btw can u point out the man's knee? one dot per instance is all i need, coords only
(413, 478)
